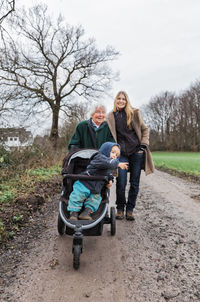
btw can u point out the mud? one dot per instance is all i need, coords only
(156, 258)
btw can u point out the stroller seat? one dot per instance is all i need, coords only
(71, 171)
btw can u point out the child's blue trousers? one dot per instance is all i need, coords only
(80, 195)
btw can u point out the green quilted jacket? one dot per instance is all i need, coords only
(85, 135)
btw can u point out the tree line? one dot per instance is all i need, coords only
(174, 120)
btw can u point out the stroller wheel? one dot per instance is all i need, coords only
(112, 221)
(60, 225)
(76, 252)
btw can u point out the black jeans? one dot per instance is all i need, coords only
(135, 165)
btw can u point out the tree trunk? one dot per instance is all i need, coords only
(54, 128)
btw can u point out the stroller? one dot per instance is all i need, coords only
(75, 163)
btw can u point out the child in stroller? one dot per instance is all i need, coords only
(88, 192)
(99, 171)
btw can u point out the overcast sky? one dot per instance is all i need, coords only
(158, 41)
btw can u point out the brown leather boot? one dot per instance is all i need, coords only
(120, 215)
(129, 216)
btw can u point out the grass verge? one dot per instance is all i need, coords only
(25, 183)
(19, 198)
(180, 163)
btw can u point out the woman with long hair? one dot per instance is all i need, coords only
(130, 132)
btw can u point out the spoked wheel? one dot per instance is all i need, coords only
(112, 221)
(60, 225)
(77, 253)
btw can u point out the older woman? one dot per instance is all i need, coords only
(92, 133)
(130, 132)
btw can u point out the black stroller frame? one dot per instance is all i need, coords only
(77, 161)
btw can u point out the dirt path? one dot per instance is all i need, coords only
(154, 259)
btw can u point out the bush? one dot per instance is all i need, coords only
(16, 161)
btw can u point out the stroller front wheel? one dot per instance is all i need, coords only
(76, 252)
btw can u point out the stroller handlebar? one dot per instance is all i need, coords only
(85, 177)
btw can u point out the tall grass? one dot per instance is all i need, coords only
(183, 162)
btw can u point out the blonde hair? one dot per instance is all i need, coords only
(128, 108)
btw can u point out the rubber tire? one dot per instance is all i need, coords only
(60, 225)
(112, 221)
(76, 252)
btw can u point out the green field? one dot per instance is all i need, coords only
(184, 162)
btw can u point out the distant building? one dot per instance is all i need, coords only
(15, 138)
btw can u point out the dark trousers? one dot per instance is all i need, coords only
(135, 165)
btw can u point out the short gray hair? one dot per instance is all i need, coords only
(95, 107)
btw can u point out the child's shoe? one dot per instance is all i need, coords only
(86, 214)
(74, 216)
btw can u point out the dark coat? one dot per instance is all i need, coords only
(85, 135)
(102, 165)
(142, 134)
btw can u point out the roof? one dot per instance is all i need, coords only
(22, 133)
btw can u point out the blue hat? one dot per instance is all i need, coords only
(105, 149)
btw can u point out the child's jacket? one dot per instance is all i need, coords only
(100, 164)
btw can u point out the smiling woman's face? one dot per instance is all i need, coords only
(99, 116)
(121, 101)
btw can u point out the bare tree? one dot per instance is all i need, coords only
(158, 114)
(51, 63)
(6, 8)
(195, 92)
(77, 113)
(174, 121)
(189, 118)
(7, 99)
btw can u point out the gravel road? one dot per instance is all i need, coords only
(156, 258)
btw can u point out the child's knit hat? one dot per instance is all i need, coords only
(105, 149)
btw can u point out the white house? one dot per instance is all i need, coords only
(15, 138)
